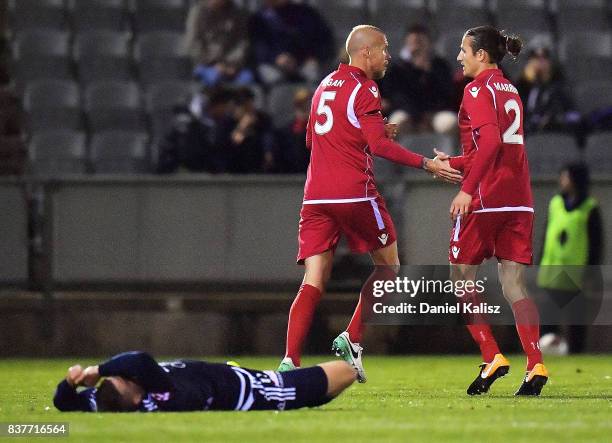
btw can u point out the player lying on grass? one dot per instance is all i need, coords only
(134, 381)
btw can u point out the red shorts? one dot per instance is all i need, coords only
(367, 226)
(479, 236)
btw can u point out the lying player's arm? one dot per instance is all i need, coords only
(488, 147)
(140, 367)
(67, 398)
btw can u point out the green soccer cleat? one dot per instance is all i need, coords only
(286, 365)
(489, 372)
(351, 353)
(534, 381)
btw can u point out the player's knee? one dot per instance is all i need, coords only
(340, 375)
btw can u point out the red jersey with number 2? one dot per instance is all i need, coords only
(341, 166)
(505, 186)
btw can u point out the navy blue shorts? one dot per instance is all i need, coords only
(270, 390)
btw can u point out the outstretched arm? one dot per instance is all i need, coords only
(137, 366)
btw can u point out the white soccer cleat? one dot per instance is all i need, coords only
(351, 353)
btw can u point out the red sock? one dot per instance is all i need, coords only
(527, 321)
(480, 330)
(356, 325)
(483, 337)
(300, 318)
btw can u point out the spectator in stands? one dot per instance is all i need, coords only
(547, 104)
(290, 42)
(573, 243)
(199, 142)
(292, 155)
(418, 85)
(253, 142)
(217, 35)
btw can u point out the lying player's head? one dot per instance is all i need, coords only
(484, 46)
(117, 394)
(368, 49)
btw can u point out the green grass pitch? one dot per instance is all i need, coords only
(405, 399)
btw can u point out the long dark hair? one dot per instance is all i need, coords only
(496, 43)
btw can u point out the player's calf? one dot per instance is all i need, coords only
(340, 375)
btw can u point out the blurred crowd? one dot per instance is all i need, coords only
(239, 55)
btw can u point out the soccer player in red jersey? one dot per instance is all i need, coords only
(345, 130)
(493, 212)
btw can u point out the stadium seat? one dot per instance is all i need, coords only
(49, 14)
(280, 103)
(162, 56)
(593, 68)
(40, 53)
(582, 18)
(395, 16)
(598, 152)
(585, 44)
(119, 152)
(103, 55)
(58, 152)
(548, 152)
(156, 15)
(114, 105)
(593, 95)
(462, 14)
(161, 98)
(342, 15)
(52, 104)
(519, 20)
(99, 14)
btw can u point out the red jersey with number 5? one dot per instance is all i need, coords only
(505, 186)
(341, 166)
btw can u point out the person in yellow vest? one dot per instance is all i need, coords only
(573, 240)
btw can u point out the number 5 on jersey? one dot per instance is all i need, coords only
(323, 109)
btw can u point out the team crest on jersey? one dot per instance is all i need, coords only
(374, 91)
(474, 91)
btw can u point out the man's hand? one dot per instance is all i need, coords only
(443, 170)
(89, 377)
(74, 372)
(441, 155)
(391, 130)
(460, 205)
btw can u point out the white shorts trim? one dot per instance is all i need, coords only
(457, 228)
(507, 209)
(338, 200)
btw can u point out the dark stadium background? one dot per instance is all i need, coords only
(95, 263)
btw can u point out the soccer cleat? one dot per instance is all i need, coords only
(489, 372)
(286, 365)
(351, 353)
(534, 381)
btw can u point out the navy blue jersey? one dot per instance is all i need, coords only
(187, 385)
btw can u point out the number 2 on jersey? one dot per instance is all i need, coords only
(323, 109)
(510, 136)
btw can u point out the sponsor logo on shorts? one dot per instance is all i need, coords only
(455, 251)
(383, 238)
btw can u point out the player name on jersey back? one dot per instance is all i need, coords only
(341, 164)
